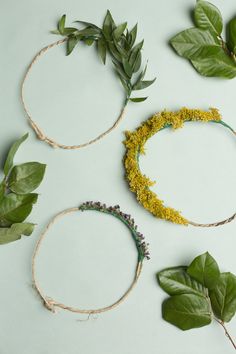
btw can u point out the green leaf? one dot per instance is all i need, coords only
(26, 177)
(221, 65)
(176, 281)
(135, 56)
(127, 67)
(114, 52)
(15, 208)
(71, 43)
(143, 84)
(119, 30)
(69, 30)
(232, 35)
(207, 16)
(61, 24)
(120, 70)
(187, 311)
(90, 32)
(133, 35)
(108, 25)
(223, 297)
(89, 42)
(15, 232)
(88, 24)
(10, 157)
(2, 189)
(102, 49)
(138, 99)
(195, 43)
(205, 270)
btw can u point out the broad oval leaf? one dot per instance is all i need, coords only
(143, 84)
(232, 35)
(15, 232)
(187, 311)
(207, 16)
(223, 297)
(205, 270)
(10, 157)
(15, 208)
(26, 177)
(176, 281)
(220, 65)
(195, 43)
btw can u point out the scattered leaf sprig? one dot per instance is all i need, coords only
(204, 44)
(16, 197)
(199, 293)
(117, 41)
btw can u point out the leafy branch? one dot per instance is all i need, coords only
(16, 197)
(198, 293)
(117, 41)
(204, 44)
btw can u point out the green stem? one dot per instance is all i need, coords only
(226, 333)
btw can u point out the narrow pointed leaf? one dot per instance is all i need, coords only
(205, 270)
(223, 297)
(207, 16)
(135, 53)
(187, 311)
(108, 25)
(119, 30)
(71, 43)
(102, 50)
(10, 157)
(61, 24)
(127, 67)
(2, 189)
(138, 99)
(143, 84)
(88, 24)
(26, 177)
(133, 35)
(15, 232)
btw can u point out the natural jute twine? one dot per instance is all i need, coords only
(52, 304)
(39, 132)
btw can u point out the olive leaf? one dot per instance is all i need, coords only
(205, 270)
(204, 45)
(16, 199)
(198, 293)
(119, 43)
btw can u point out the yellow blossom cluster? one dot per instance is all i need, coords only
(134, 143)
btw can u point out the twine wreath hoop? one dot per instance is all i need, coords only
(141, 246)
(119, 43)
(139, 183)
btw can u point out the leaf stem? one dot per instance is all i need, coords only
(226, 333)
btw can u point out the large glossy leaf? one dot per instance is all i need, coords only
(15, 232)
(207, 16)
(221, 65)
(26, 177)
(15, 208)
(232, 35)
(187, 311)
(205, 270)
(176, 281)
(223, 297)
(10, 157)
(195, 43)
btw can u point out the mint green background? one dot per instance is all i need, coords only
(89, 259)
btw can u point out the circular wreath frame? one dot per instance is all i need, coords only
(141, 246)
(139, 183)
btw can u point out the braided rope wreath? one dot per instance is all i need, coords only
(119, 43)
(135, 142)
(141, 246)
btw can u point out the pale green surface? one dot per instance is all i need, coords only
(90, 263)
